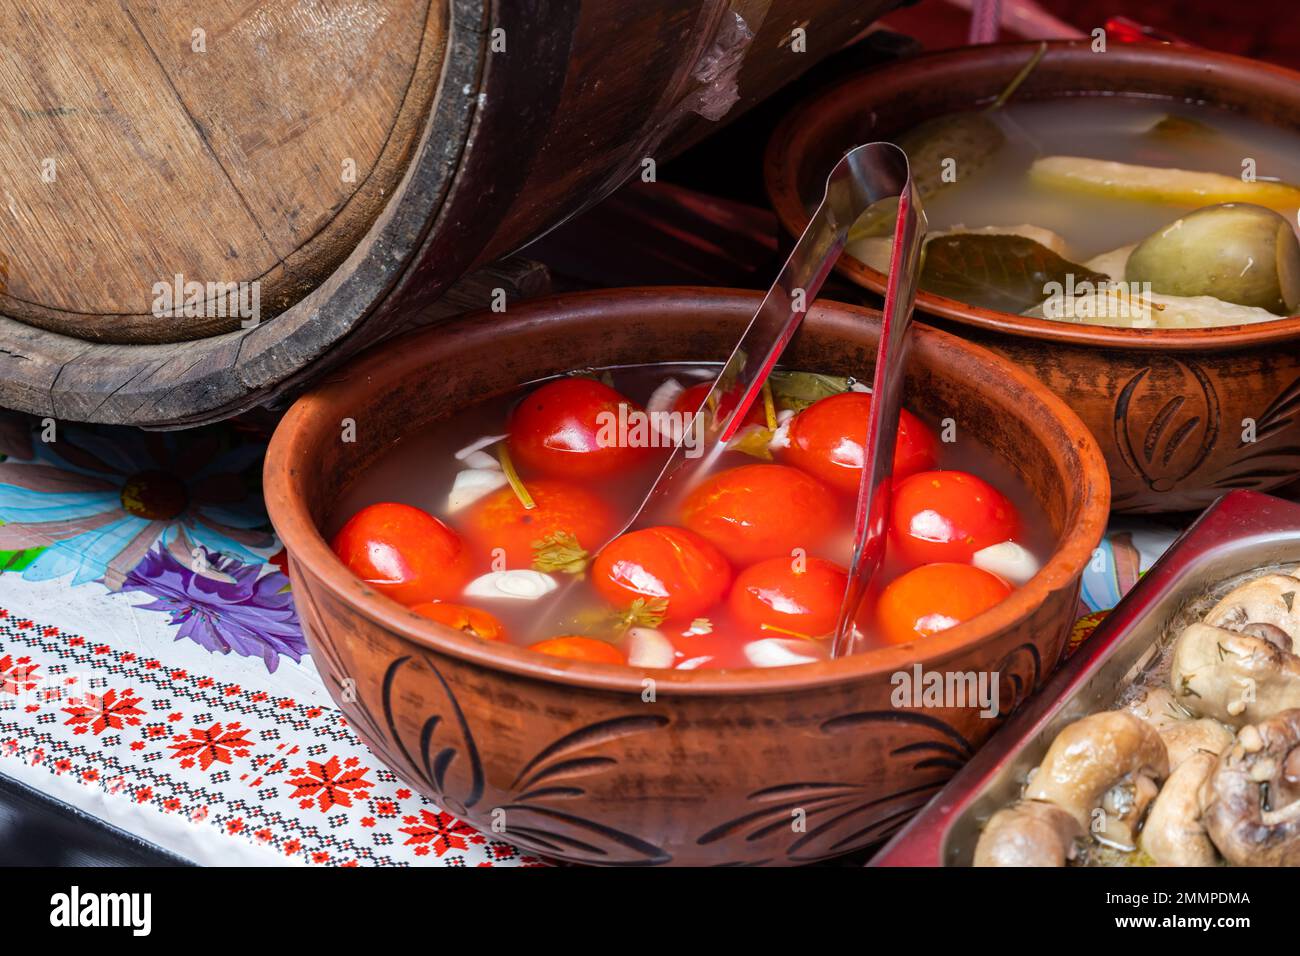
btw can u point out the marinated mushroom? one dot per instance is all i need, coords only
(1250, 805)
(1157, 706)
(1183, 733)
(1234, 677)
(1265, 607)
(1190, 737)
(1030, 833)
(1110, 761)
(1224, 797)
(1174, 834)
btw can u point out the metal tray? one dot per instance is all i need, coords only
(1240, 531)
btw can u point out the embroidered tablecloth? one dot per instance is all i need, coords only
(152, 669)
(153, 672)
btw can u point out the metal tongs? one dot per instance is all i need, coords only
(865, 176)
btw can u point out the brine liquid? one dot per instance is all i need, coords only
(1108, 128)
(421, 467)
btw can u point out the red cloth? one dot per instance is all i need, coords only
(1265, 31)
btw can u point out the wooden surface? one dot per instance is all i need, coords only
(264, 156)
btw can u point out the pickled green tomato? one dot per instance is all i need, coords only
(1236, 252)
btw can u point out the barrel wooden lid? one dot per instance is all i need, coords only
(221, 141)
(215, 139)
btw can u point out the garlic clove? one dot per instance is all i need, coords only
(647, 647)
(518, 585)
(481, 459)
(472, 484)
(780, 437)
(1007, 560)
(663, 398)
(659, 410)
(694, 663)
(777, 652)
(478, 445)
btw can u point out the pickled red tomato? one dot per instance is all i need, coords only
(692, 399)
(756, 512)
(461, 617)
(500, 520)
(948, 516)
(802, 597)
(569, 428)
(662, 562)
(826, 440)
(403, 552)
(579, 648)
(935, 597)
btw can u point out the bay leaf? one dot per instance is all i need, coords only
(797, 390)
(1001, 272)
(753, 440)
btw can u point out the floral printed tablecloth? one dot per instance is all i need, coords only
(152, 669)
(153, 672)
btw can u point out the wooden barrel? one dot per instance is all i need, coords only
(206, 202)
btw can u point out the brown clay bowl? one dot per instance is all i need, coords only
(1167, 407)
(571, 759)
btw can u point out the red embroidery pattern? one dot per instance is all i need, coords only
(98, 714)
(213, 744)
(244, 764)
(440, 832)
(16, 675)
(329, 784)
